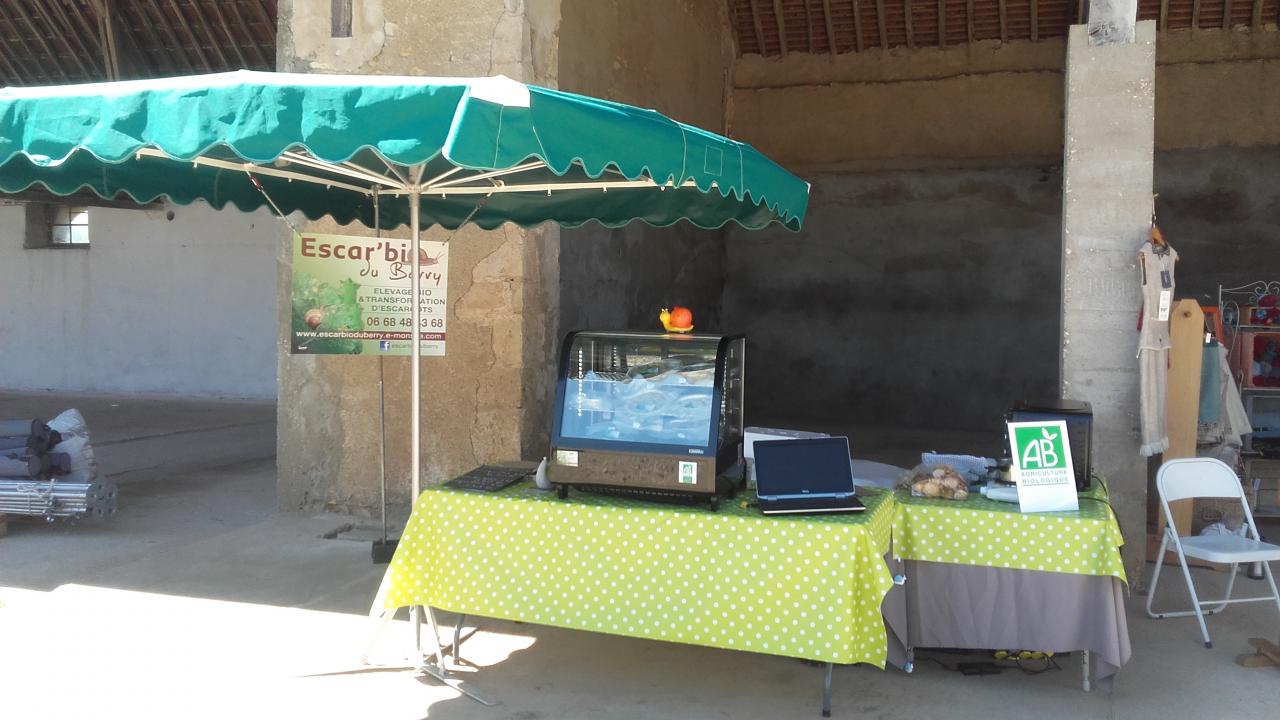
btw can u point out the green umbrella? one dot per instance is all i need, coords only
(480, 150)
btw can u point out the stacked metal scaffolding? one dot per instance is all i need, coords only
(49, 471)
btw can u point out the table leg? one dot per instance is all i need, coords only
(457, 640)
(826, 692)
(1084, 666)
(438, 670)
(415, 619)
(910, 664)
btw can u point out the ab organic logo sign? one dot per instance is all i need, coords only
(1042, 449)
(1042, 466)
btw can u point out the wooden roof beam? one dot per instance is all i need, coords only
(884, 31)
(253, 43)
(208, 30)
(808, 24)
(831, 28)
(968, 19)
(68, 32)
(857, 26)
(1035, 20)
(261, 11)
(34, 57)
(1195, 14)
(942, 23)
(782, 25)
(1004, 21)
(6, 53)
(1226, 14)
(906, 15)
(755, 20)
(169, 32)
(1257, 13)
(231, 39)
(1164, 14)
(195, 42)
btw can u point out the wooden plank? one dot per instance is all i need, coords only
(81, 30)
(169, 64)
(831, 28)
(195, 42)
(169, 32)
(19, 78)
(1004, 21)
(1257, 13)
(857, 25)
(1164, 15)
(252, 43)
(942, 23)
(231, 39)
(1266, 648)
(206, 26)
(110, 53)
(1195, 14)
(968, 18)
(808, 25)
(64, 33)
(340, 19)
(755, 20)
(1182, 403)
(906, 13)
(1035, 20)
(53, 58)
(782, 25)
(1226, 14)
(135, 62)
(884, 31)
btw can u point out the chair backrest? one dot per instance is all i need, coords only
(1197, 478)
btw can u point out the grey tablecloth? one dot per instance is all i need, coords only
(963, 606)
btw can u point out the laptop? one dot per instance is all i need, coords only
(809, 475)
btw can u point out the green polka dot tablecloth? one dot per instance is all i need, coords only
(807, 587)
(987, 533)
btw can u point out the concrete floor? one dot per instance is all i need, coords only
(200, 600)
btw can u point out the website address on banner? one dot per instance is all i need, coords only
(362, 335)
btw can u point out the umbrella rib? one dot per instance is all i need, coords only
(355, 172)
(543, 187)
(490, 174)
(259, 170)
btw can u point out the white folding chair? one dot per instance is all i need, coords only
(1208, 478)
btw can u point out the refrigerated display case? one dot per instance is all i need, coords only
(648, 414)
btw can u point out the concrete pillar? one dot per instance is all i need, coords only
(487, 399)
(1106, 214)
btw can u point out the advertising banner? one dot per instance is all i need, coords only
(352, 296)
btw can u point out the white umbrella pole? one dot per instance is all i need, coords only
(415, 380)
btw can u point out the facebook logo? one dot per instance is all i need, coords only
(384, 345)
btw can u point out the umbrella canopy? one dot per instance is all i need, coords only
(491, 150)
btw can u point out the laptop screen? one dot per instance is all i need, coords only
(795, 467)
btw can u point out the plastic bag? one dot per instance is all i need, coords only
(933, 480)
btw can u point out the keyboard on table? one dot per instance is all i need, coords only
(489, 478)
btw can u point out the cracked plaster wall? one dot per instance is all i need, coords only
(486, 400)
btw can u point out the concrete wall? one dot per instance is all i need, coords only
(183, 306)
(486, 401)
(922, 299)
(1221, 209)
(896, 144)
(674, 56)
(990, 105)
